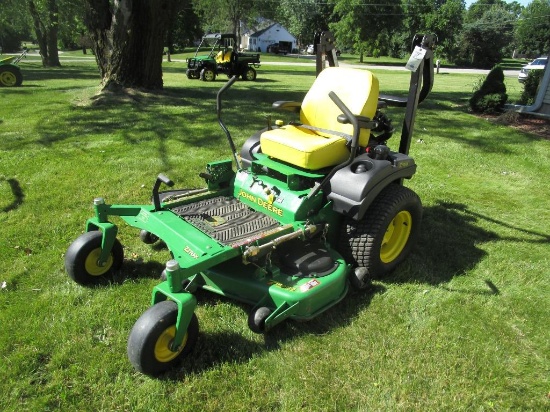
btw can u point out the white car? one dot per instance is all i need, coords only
(537, 64)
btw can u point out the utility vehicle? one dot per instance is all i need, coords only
(307, 209)
(10, 73)
(224, 58)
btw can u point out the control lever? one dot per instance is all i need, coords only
(161, 178)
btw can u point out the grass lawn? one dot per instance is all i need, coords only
(462, 325)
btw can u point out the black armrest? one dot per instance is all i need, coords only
(364, 121)
(393, 100)
(288, 106)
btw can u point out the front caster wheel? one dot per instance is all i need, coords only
(81, 259)
(207, 75)
(147, 237)
(150, 343)
(257, 318)
(360, 278)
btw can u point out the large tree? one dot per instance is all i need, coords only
(45, 17)
(441, 17)
(303, 20)
(52, 21)
(71, 24)
(417, 12)
(128, 40)
(14, 25)
(445, 22)
(533, 28)
(482, 41)
(368, 25)
(185, 27)
(224, 15)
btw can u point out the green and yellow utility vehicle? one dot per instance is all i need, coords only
(223, 58)
(10, 73)
(302, 213)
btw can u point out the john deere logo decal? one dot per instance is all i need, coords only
(260, 202)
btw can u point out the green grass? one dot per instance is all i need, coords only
(461, 325)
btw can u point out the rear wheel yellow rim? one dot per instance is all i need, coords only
(8, 78)
(396, 236)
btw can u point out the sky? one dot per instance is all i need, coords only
(522, 2)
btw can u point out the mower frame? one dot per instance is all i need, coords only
(268, 234)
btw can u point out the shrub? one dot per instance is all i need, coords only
(530, 87)
(490, 96)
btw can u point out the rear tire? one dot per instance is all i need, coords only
(386, 234)
(249, 74)
(10, 76)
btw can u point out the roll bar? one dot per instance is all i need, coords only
(420, 85)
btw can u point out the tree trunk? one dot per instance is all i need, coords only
(98, 20)
(51, 37)
(129, 40)
(46, 33)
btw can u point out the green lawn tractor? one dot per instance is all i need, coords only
(223, 58)
(10, 73)
(306, 210)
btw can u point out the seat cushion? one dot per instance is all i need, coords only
(304, 148)
(358, 89)
(313, 150)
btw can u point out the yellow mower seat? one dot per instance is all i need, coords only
(319, 148)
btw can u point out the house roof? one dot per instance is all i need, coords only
(259, 33)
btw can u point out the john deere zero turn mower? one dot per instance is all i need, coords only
(306, 210)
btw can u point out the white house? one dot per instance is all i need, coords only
(261, 39)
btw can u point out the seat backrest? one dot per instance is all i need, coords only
(223, 56)
(357, 88)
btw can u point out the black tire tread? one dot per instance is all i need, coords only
(256, 319)
(16, 72)
(244, 75)
(146, 332)
(359, 239)
(79, 250)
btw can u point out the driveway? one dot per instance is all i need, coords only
(306, 61)
(512, 73)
